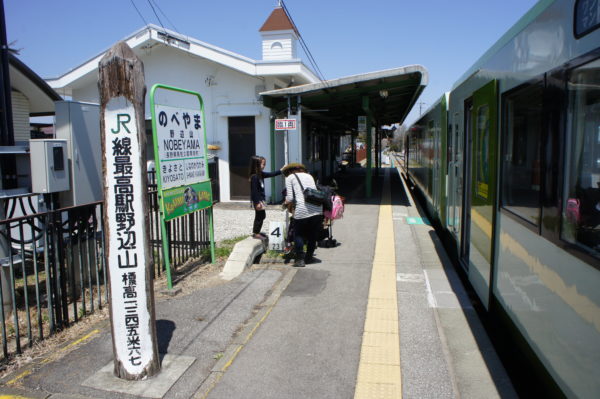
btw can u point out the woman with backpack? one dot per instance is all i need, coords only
(308, 218)
(257, 193)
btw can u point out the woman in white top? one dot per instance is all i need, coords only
(308, 218)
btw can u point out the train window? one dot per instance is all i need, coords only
(482, 151)
(587, 17)
(581, 203)
(521, 153)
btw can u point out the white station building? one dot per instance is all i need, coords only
(242, 98)
(237, 123)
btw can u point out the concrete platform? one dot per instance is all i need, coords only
(172, 367)
(278, 332)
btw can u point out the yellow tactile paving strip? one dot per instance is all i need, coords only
(379, 367)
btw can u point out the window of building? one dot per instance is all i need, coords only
(521, 174)
(581, 200)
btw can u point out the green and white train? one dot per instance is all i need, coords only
(508, 163)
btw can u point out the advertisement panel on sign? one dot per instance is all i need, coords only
(185, 199)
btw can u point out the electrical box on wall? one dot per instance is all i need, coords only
(49, 173)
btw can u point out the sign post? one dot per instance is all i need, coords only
(181, 163)
(133, 325)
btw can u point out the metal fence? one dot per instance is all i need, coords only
(54, 275)
(56, 272)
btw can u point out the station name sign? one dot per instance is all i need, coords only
(285, 124)
(179, 136)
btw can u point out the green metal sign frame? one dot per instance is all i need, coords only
(172, 201)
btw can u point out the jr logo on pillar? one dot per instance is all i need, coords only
(126, 252)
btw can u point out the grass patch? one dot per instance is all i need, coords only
(232, 241)
(274, 254)
(224, 248)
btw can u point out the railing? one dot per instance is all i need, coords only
(55, 273)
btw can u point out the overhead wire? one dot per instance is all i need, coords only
(311, 59)
(303, 44)
(157, 17)
(165, 15)
(139, 13)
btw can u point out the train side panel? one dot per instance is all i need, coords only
(522, 198)
(554, 301)
(426, 161)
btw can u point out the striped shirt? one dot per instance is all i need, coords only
(303, 209)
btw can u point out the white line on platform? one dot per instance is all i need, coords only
(409, 278)
(430, 297)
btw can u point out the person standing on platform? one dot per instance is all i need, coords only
(308, 218)
(257, 193)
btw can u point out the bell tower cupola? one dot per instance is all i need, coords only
(279, 37)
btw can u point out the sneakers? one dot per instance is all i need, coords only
(311, 260)
(303, 261)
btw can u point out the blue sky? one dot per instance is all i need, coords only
(344, 37)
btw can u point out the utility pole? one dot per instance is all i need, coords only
(421, 107)
(7, 134)
(7, 162)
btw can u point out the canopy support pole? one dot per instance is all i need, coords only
(368, 183)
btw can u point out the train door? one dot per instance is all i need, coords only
(434, 133)
(483, 149)
(443, 150)
(465, 220)
(455, 176)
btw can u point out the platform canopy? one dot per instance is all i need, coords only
(390, 95)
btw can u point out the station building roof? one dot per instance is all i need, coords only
(278, 20)
(40, 95)
(145, 39)
(392, 93)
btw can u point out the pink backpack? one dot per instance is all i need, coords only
(572, 211)
(337, 208)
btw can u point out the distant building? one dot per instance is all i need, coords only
(30, 96)
(238, 125)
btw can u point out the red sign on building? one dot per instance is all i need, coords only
(285, 124)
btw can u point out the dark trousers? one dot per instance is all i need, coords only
(307, 230)
(259, 217)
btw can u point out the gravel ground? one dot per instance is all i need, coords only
(233, 220)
